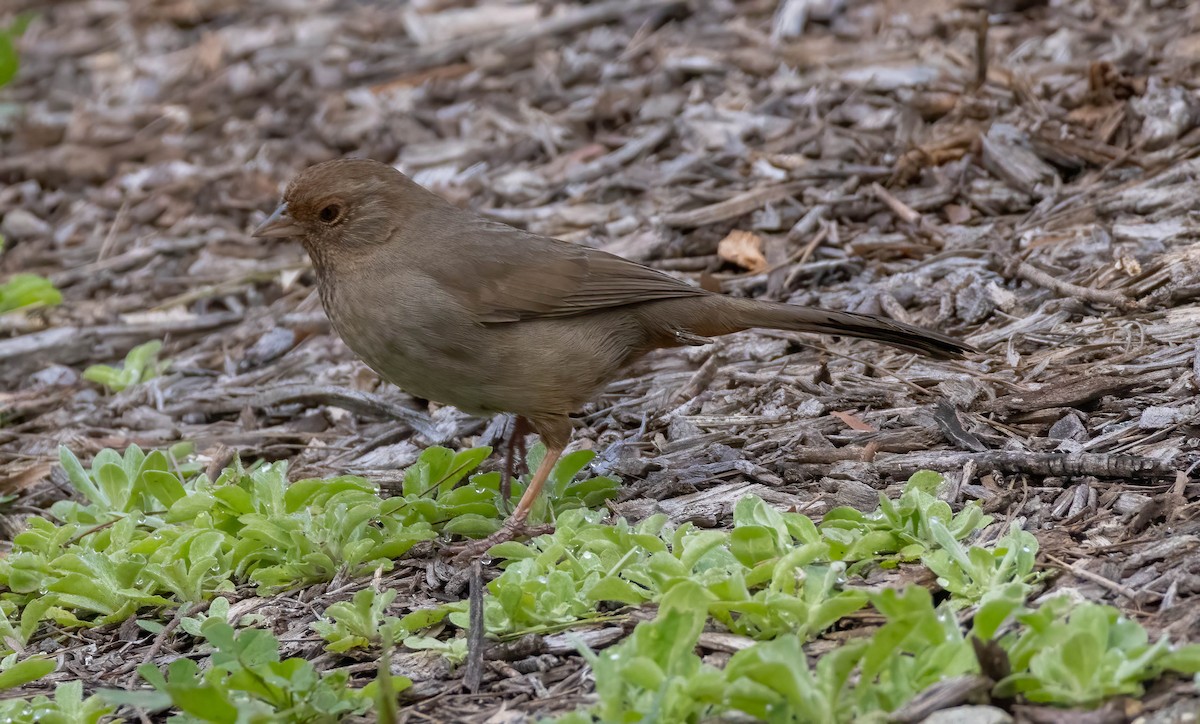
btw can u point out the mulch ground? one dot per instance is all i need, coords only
(1019, 174)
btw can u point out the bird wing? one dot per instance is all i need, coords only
(517, 275)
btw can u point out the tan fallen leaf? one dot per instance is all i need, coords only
(853, 422)
(743, 248)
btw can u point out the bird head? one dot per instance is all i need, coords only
(344, 208)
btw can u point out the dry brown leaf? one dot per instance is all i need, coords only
(853, 422)
(18, 480)
(743, 248)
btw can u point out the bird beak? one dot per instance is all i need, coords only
(277, 225)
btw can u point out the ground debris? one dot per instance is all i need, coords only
(1016, 175)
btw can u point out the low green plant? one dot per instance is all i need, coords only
(860, 680)
(247, 681)
(309, 531)
(1061, 653)
(25, 290)
(14, 673)
(123, 483)
(90, 588)
(360, 622)
(898, 531)
(217, 609)
(549, 581)
(149, 532)
(440, 489)
(10, 62)
(774, 573)
(972, 573)
(112, 554)
(654, 675)
(789, 583)
(453, 650)
(141, 365)
(67, 706)
(773, 682)
(785, 585)
(919, 645)
(1080, 654)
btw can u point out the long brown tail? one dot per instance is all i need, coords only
(746, 313)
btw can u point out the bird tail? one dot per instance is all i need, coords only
(746, 313)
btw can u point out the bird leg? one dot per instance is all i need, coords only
(514, 449)
(515, 525)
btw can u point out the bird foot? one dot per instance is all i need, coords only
(464, 552)
(515, 462)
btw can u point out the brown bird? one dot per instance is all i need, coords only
(456, 308)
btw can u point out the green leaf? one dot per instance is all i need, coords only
(150, 701)
(511, 550)
(589, 493)
(611, 588)
(140, 359)
(80, 480)
(697, 545)
(565, 470)
(442, 468)
(927, 481)
(423, 618)
(163, 487)
(752, 544)
(256, 647)
(189, 507)
(994, 610)
(205, 702)
(22, 290)
(471, 525)
(1185, 659)
(106, 376)
(140, 365)
(314, 491)
(9, 60)
(115, 485)
(23, 672)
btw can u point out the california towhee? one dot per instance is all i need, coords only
(463, 310)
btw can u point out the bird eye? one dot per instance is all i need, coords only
(330, 213)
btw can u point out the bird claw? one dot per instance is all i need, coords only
(465, 551)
